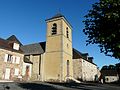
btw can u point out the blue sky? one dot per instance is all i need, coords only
(26, 20)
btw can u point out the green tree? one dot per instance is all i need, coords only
(111, 67)
(104, 67)
(102, 27)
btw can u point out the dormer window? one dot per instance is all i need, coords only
(54, 29)
(67, 33)
(16, 46)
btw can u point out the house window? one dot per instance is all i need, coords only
(16, 46)
(16, 72)
(9, 59)
(13, 59)
(54, 29)
(107, 79)
(67, 33)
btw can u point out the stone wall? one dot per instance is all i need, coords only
(84, 70)
(11, 65)
(89, 70)
(77, 69)
(35, 59)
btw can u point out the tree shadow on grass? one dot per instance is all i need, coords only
(35, 86)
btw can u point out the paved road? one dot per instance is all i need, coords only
(48, 86)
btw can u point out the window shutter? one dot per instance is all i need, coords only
(17, 60)
(16, 72)
(6, 57)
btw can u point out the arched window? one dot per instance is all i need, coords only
(54, 29)
(67, 33)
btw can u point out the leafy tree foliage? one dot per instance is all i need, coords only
(104, 67)
(102, 27)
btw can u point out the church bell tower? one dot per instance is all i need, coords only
(58, 56)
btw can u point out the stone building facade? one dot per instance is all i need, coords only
(11, 59)
(34, 56)
(83, 67)
(52, 60)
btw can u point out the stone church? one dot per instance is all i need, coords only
(52, 61)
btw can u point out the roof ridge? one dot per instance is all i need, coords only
(14, 39)
(30, 44)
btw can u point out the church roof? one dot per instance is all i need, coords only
(35, 48)
(59, 15)
(77, 55)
